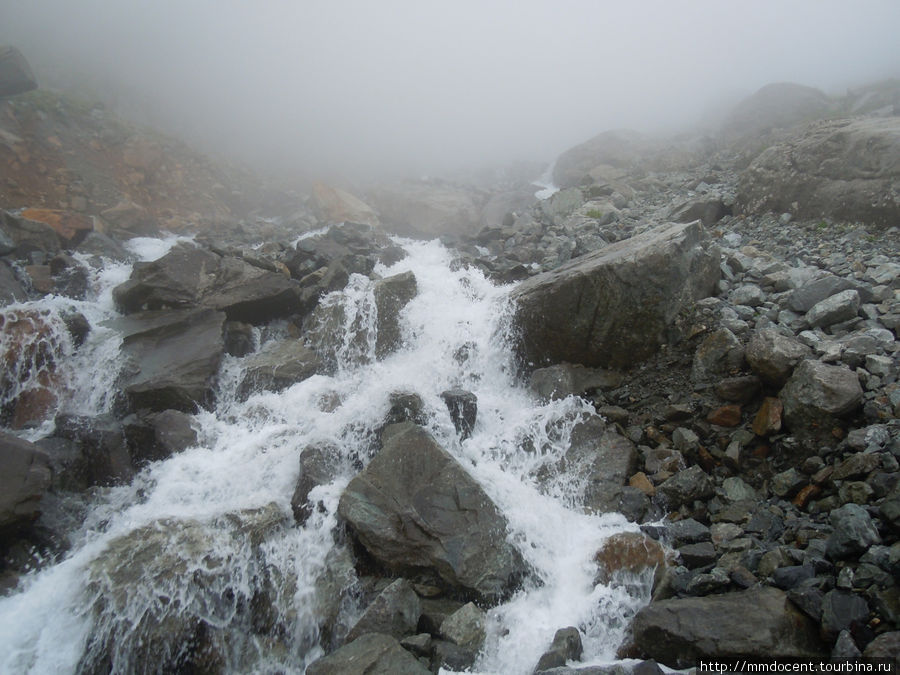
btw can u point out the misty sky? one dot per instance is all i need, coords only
(388, 84)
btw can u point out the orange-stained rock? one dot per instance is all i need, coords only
(33, 406)
(806, 494)
(768, 419)
(632, 553)
(336, 206)
(71, 227)
(642, 483)
(726, 416)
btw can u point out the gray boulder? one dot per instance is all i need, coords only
(395, 612)
(807, 295)
(189, 276)
(565, 379)
(415, 507)
(839, 307)
(566, 646)
(853, 532)
(685, 487)
(15, 73)
(318, 466)
(24, 476)
(370, 654)
(616, 306)
(843, 169)
(762, 621)
(277, 366)
(171, 358)
(773, 355)
(391, 295)
(465, 627)
(817, 394)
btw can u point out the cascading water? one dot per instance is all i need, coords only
(203, 545)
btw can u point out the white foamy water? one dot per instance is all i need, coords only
(204, 532)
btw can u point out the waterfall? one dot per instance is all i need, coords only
(209, 533)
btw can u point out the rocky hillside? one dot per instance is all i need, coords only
(732, 323)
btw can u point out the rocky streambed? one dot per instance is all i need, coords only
(644, 421)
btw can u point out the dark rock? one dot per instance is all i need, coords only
(839, 307)
(370, 653)
(172, 358)
(189, 276)
(809, 599)
(463, 407)
(104, 455)
(791, 576)
(395, 612)
(318, 466)
(845, 647)
(156, 436)
(885, 646)
(277, 366)
(679, 632)
(698, 555)
(15, 73)
(687, 531)
(773, 355)
(238, 338)
(405, 407)
(11, 289)
(809, 294)
(853, 532)
(843, 610)
(818, 393)
(708, 211)
(391, 295)
(566, 646)
(420, 645)
(24, 476)
(685, 487)
(29, 234)
(604, 310)
(452, 657)
(740, 389)
(415, 507)
(435, 611)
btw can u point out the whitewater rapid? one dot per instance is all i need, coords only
(455, 333)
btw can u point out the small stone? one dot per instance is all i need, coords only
(698, 555)
(787, 482)
(768, 419)
(642, 483)
(740, 389)
(725, 416)
(465, 627)
(853, 532)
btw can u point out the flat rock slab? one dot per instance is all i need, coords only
(614, 307)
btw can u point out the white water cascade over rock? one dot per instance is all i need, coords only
(199, 560)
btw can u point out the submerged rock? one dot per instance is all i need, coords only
(415, 507)
(24, 476)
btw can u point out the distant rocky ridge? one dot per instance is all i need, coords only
(745, 362)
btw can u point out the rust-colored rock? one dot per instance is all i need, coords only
(726, 416)
(642, 483)
(806, 494)
(705, 459)
(768, 419)
(71, 227)
(630, 553)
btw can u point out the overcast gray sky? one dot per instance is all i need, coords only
(354, 84)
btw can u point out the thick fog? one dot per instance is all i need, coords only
(384, 85)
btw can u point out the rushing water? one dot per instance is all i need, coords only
(208, 532)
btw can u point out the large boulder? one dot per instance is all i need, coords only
(753, 623)
(415, 507)
(24, 476)
(616, 306)
(773, 355)
(333, 205)
(367, 655)
(428, 209)
(776, 106)
(189, 276)
(817, 394)
(15, 73)
(277, 366)
(844, 169)
(171, 358)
